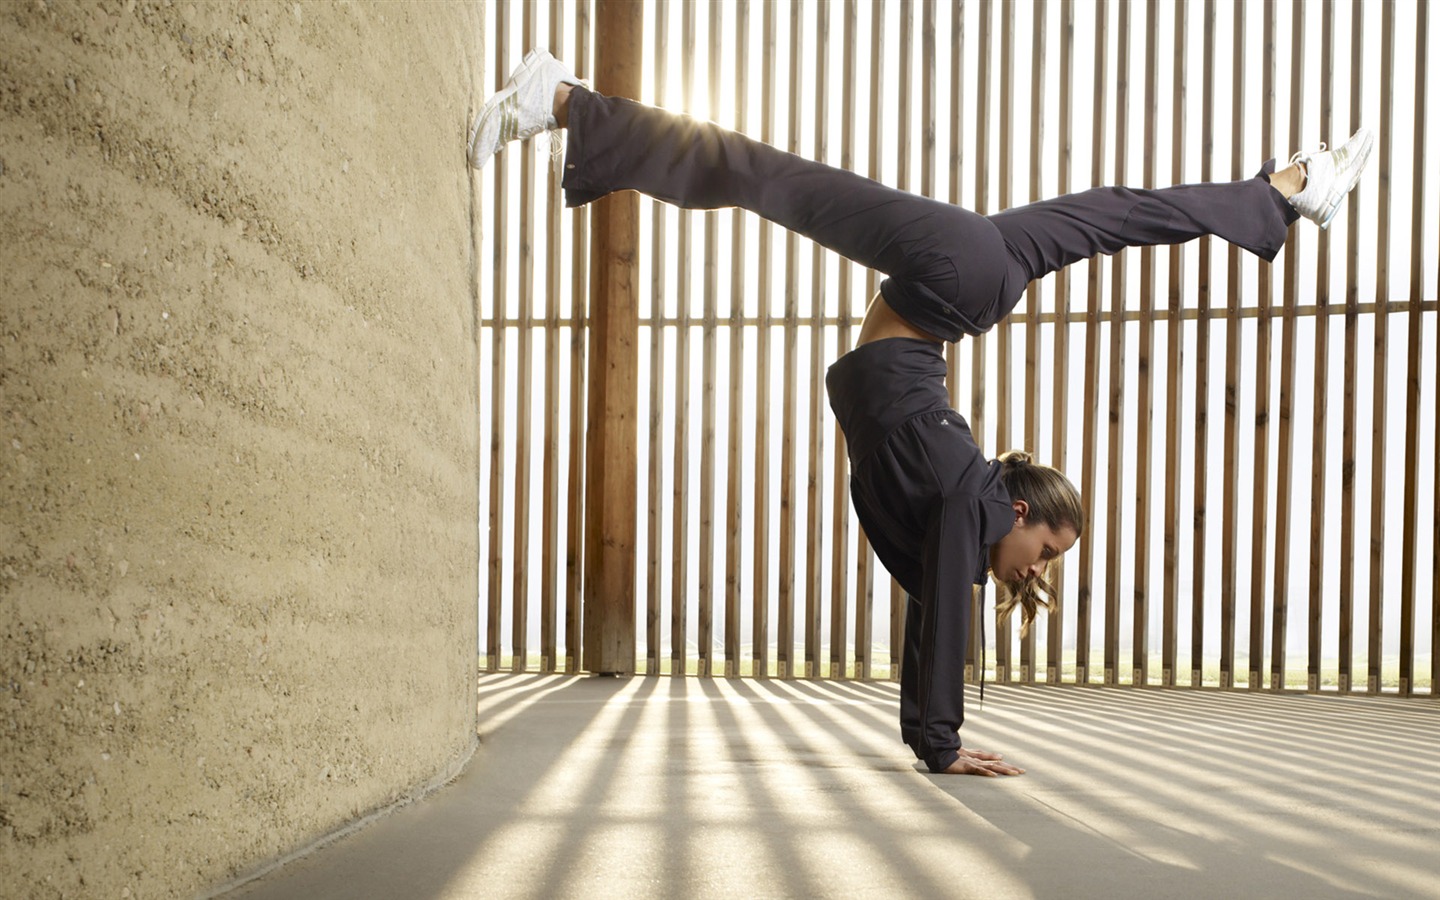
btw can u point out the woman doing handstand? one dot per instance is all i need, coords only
(939, 515)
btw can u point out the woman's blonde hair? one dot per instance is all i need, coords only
(1053, 501)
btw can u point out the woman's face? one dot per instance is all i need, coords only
(1026, 551)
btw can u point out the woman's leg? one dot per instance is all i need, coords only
(947, 266)
(1049, 235)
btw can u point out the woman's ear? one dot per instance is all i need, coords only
(1022, 509)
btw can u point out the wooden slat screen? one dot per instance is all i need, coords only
(1261, 504)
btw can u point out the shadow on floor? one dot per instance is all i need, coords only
(687, 787)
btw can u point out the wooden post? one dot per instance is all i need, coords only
(610, 483)
(1413, 380)
(1055, 630)
(1144, 400)
(1118, 286)
(1283, 509)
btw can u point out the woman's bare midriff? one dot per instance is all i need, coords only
(883, 322)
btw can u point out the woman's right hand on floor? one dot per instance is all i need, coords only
(981, 762)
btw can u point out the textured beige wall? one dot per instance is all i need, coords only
(238, 552)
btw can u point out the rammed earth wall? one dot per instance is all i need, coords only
(238, 396)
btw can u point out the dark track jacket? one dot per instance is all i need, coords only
(931, 506)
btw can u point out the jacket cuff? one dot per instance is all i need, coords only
(939, 762)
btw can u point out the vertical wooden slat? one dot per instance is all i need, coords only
(815, 493)
(1118, 286)
(519, 616)
(1414, 374)
(1032, 317)
(927, 98)
(760, 622)
(864, 607)
(902, 181)
(498, 368)
(711, 278)
(734, 520)
(1144, 401)
(785, 651)
(610, 479)
(659, 377)
(1175, 390)
(958, 128)
(1319, 440)
(1234, 350)
(1092, 367)
(898, 597)
(550, 505)
(1382, 349)
(1260, 462)
(1202, 363)
(1352, 325)
(979, 342)
(840, 570)
(1004, 331)
(1286, 462)
(680, 489)
(1060, 415)
(864, 603)
(579, 269)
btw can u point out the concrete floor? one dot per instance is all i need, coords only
(689, 788)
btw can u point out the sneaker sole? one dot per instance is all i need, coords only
(1357, 168)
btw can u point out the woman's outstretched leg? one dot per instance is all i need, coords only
(1254, 214)
(947, 266)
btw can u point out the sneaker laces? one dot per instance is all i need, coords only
(1302, 156)
(557, 148)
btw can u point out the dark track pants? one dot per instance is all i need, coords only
(950, 271)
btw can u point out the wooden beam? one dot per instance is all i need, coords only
(1319, 436)
(785, 628)
(1202, 362)
(579, 289)
(1114, 522)
(1144, 399)
(680, 378)
(1092, 369)
(1055, 622)
(819, 417)
(500, 289)
(1004, 329)
(520, 614)
(1286, 462)
(840, 569)
(1260, 462)
(760, 619)
(1234, 351)
(611, 494)
(711, 281)
(654, 505)
(1415, 375)
(1033, 362)
(1175, 344)
(734, 519)
(1352, 327)
(1380, 399)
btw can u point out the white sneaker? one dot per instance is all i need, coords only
(1330, 175)
(522, 109)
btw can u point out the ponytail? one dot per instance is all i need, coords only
(1054, 502)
